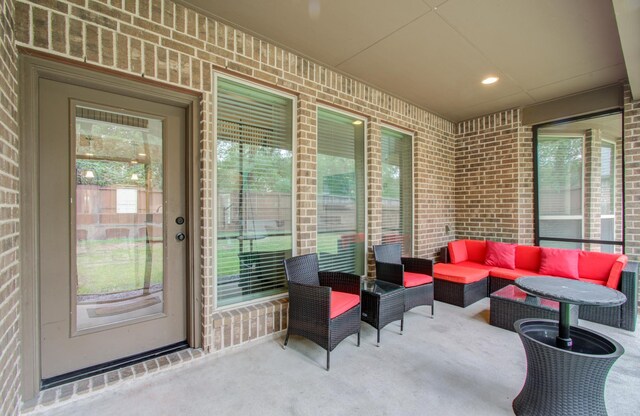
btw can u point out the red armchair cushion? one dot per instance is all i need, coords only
(559, 262)
(458, 274)
(416, 279)
(342, 302)
(501, 255)
(476, 250)
(614, 276)
(457, 251)
(528, 258)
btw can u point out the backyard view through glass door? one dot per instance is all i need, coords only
(119, 230)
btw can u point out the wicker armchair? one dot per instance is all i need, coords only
(414, 274)
(324, 307)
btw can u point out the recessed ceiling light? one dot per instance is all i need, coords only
(357, 122)
(142, 154)
(490, 80)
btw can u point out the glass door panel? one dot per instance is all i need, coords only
(118, 218)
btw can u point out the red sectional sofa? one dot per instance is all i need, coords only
(473, 269)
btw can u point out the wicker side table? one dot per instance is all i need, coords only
(510, 304)
(382, 303)
(567, 366)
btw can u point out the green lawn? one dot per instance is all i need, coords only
(116, 265)
(229, 265)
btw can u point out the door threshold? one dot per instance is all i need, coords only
(48, 383)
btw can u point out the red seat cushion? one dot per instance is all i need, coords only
(559, 262)
(476, 250)
(474, 265)
(342, 302)
(500, 255)
(528, 258)
(457, 251)
(416, 279)
(510, 274)
(458, 274)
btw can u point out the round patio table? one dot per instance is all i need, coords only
(567, 366)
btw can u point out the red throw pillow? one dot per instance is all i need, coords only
(501, 255)
(559, 262)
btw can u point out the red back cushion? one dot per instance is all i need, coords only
(596, 266)
(559, 262)
(501, 255)
(457, 251)
(528, 258)
(616, 270)
(476, 250)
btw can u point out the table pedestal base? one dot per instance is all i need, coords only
(564, 382)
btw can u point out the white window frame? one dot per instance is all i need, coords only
(214, 210)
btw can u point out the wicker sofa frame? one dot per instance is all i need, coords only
(460, 294)
(310, 303)
(624, 316)
(389, 270)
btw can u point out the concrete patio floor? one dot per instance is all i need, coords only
(452, 365)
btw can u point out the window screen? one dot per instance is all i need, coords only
(341, 192)
(254, 191)
(397, 189)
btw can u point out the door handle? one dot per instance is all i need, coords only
(180, 236)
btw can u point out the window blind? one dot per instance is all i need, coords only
(397, 189)
(341, 193)
(254, 191)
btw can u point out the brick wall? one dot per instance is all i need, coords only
(165, 42)
(494, 179)
(632, 174)
(9, 218)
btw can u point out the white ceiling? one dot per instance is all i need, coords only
(434, 53)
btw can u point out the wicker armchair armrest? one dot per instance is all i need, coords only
(310, 303)
(340, 281)
(629, 286)
(418, 265)
(390, 272)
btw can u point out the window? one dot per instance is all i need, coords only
(341, 192)
(254, 216)
(126, 201)
(397, 189)
(579, 184)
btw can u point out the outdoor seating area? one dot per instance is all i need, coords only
(478, 268)
(319, 207)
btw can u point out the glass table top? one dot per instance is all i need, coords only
(378, 287)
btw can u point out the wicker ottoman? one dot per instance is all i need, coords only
(510, 304)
